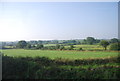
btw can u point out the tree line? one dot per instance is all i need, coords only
(114, 44)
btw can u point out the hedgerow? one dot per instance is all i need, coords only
(45, 68)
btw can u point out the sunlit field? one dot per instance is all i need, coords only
(67, 54)
(84, 47)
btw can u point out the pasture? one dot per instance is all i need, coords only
(60, 64)
(84, 47)
(66, 54)
(79, 67)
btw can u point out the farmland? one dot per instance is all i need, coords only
(55, 64)
(26, 60)
(67, 54)
(59, 40)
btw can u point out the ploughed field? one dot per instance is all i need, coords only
(65, 54)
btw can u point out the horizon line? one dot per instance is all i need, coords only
(55, 39)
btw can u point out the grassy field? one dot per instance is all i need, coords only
(60, 54)
(67, 64)
(49, 45)
(84, 47)
(89, 47)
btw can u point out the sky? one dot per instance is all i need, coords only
(58, 20)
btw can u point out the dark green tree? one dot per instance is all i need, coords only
(21, 44)
(80, 49)
(114, 40)
(90, 40)
(62, 47)
(28, 46)
(40, 42)
(104, 44)
(71, 47)
(39, 46)
(115, 46)
(57, 46)
(97, 41)
(33, 46)
(33, 42)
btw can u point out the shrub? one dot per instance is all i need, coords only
(115, 46)
(44, 61)
(14, 68)
(39, 46)
(62, 47)
(57, 46)
(80, 49)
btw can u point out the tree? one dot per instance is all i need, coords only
(114, 40)
(33, 42)
(40, 42)
(84, 41)
(97, 41)
(57, 46)
(28, 46)
(39, 46)
(22, 44)
(71, 47)
(104, 43)
(115, 46)
(33, 46)
(90, 40)
(80, 49)
(62, 47)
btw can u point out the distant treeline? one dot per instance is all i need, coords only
(61, 43)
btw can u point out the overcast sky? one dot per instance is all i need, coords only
(58, 20)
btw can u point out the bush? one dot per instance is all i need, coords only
(44, 61)
(14, 68)
(62, 47)
(57, 46)
(80, 49)
(51, 47)
(115, 46)
(39, 46)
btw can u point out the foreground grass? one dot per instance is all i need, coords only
(60, 54)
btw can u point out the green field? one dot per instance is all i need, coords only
(49, 45)
(67, 64)
(84, 47)
(60, 54)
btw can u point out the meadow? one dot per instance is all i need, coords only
(66, 54)
(41, 67)
(84, 47)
